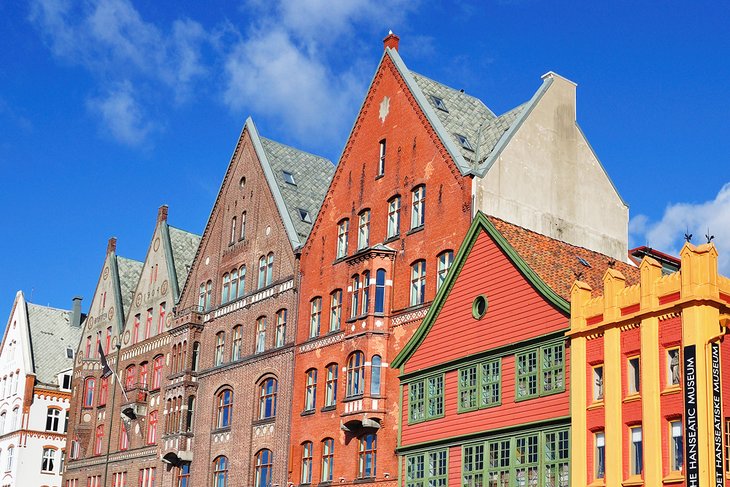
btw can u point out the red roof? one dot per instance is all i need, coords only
(560, 264)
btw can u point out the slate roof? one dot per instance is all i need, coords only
(558, 262)
(129, 272)
(50, 333)
(312, 175)
(465, 115)
(184, 245)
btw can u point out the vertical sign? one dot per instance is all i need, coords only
(690, 417)
(717, 416)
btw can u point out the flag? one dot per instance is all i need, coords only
(106, 370)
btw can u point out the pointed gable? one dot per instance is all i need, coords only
(183, 246)
(51, 331)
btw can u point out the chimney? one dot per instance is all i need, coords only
(111, 246)
(162, 214)
(391, 41)
(76, 312)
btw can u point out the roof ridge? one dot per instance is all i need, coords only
(294, 148)
(184, 231)
(47, 307)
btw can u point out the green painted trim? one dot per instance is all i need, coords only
(540, 373)
(478, 387)
(501, 351)
(479, 224)
(426, 398)
(557, 423)
(426, 479)
(400, 417)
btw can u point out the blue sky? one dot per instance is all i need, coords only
(110, 108)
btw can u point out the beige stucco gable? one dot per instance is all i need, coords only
(547, 178)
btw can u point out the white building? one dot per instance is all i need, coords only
(36, 358)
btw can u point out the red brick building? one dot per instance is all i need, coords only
(114, 428)
(485, 389)
(229, 386)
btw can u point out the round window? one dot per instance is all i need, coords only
(479, 307)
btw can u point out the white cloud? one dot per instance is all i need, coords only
(122, 114)
(117, 46)
(667, 234)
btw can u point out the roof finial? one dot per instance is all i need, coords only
(391, 41)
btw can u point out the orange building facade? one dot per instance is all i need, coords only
(649, 400)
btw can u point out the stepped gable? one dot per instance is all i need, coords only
(184, 245)
(312, 175)
(50, 332)
(557, 262)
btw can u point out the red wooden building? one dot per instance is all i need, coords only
(484, 380)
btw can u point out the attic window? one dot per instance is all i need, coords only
(464, 142)
(289, 178)
(583, 262)
(69, 352)
(439, 103)
(304, 215)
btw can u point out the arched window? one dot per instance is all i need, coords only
(152, 428)
(129, 377)
(418, 282)
(365, 292)
(310, 395)
(201, 297)
(445, 259)
(307, 462)
(2, 423)
(160, 321)
(9, 463)
(393, 216)
(225, 408)
(123, 437)
(157, 364)
(260, 334)
(143, 369)
(269, 268)
(237, 341)
(380, 291)
(418, 206)
(243, 225)
(220, 472)
(367, 456)
(262, 272)
(99, 440)
(363, 229)
(190, 414)
(173, 359)
(335, 310)
(355, 300)
(53, 419)
(281, 327)
(375, 369)
(220, 344)
(233, 229)
(267, 398)
(241, 281)
(315, 316)
(328, 459)
(226, 288)
(356, 374)
(234, 284)
(48, 459)
(147, 327)
(196, 356)
(103, 390)
(330, 392)
(264, 466)
(89, 385)
(15, 418)
(342, 228)
(208, 295)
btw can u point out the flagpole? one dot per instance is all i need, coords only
(111, 419)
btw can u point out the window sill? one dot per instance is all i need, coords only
(415, 230)
(632, 398)
(258, 422)
(598, 404)
(392, 238)
(364, 480)
(307, 412)
(225, 429)
(328, 408)
(379, 176)
(633, 480)
(674, 389)
(353, 398)
(673, 478)
(597, 483)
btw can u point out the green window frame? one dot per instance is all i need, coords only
(535, 458)
(480, 385)
(426, 399)
(427, 469)
(540, 371)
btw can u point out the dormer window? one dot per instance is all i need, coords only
(439, 103)
(464, 142)
(66, 381)
(304, 215)
(69, 352)
(289, 178)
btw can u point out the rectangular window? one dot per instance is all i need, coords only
(418, 206)
(147, 477)
(727, 445)
(381, 159)
(394, 217)
(557, 467)
(634, 375)
(418, 283)
(525, 454)
(342, 229)
(480, 386)
(598, 383)
(315, 316)
(237, 343)
(673, 367)
(426, 399)
(335, 310)
(445, 260)
(148, 324)
(548, 363)
(600, 456)
(261, 334)
(281, 328)
(161, 318)
(498, 466)
(119, 479)
(637, 453)
(363, 234)
(676, 453)
(429, 469)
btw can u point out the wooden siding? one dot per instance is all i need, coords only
(516, 311)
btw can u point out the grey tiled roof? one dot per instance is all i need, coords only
(50, 333)
(129, 272)
(312, 175)
(184, 245)
(465, 115)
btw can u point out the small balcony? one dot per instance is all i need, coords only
(134, 404)
(177, 448)
(192, 315)
(362, 412)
